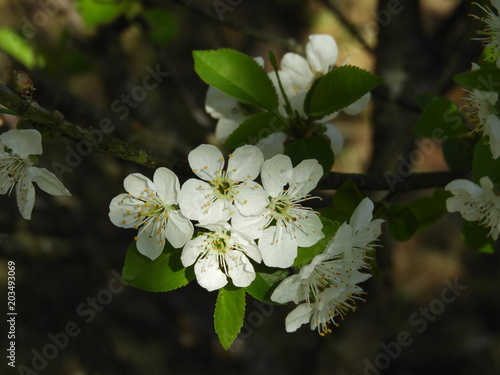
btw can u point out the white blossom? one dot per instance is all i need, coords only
(221, 253)
(151, 207)
(221, 193)
(18, 150)
(285, 224)
(484, 115)
(479, 203)
(491, 33)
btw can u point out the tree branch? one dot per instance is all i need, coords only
(108, 144)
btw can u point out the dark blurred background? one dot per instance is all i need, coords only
(69, 256)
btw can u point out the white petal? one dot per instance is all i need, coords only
(276, 173)
(47, 181)
(300, 315)
(362, 215)
(286, 82)
(278, 247)
(226, 125)
(179, 230)
(136, 183)
(249, 247)
(123, 211)
(272, 145)
(245, 163)
(305, 177)
(342, 242)
(25, 192)
(192, 250)
(252, 226)
(464, 186)
(358, 106)
(151, 239)
(240, 269)
(23, 142)
(218, 104)
(166, 184)
(297, 69)
(208, 274)
(251, 199)
(307, 229)
(368, 234)
(287, 290)
(494, 132)
(321, 52)
(206, 161)
(336, 138)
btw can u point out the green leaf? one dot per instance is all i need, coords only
(162, 25)
(315, 147)
(163, 274)
(99, 12)
(424, 100)
(427, 210)
(401, 222)
(266, 280)
(238, 75)
(8, 112)
(441, 119)
(306, 254)
(20, 49)
(229, 314)
(255, 128)
(337, 89)
(483, 163)
(345, 201)
(485, 79)
(457, 153)
(476, 237)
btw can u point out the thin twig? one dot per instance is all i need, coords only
(139, 155)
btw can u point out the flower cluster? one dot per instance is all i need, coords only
(491, 33)
(297, 74)
(327, 287)
(241, 218)
(479, 203)
(18, 157)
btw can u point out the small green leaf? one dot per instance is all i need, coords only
(427, 210)
(345, 201)
(483, 163)
(424, 100)
(337, 89)
(98, 12)
(229, 314)
(315, 147)
(476, 237)
(255, 128)
(162, 25)
(266, 280)
(238, 75)
(457, 153)
(485, 79)
(163, 274)
(20, 49)
(439, 119)
(306, 254)
(401, 222)
(8, 112)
